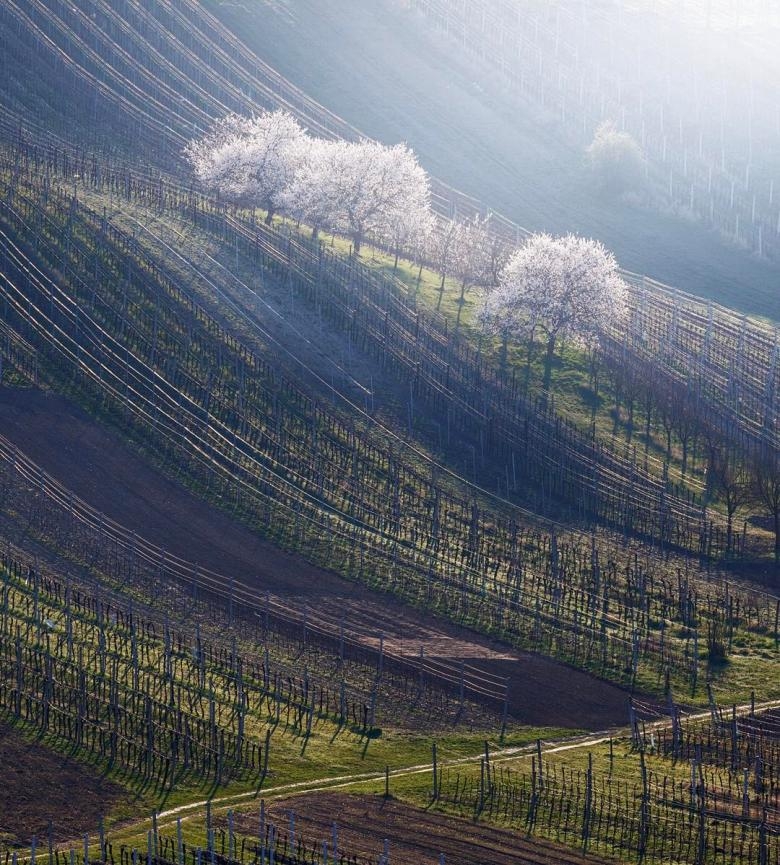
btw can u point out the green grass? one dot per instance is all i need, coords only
(194, 243)
(314, 760)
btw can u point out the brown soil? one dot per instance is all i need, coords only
(39, 785)
(98, 466)
(415, 837)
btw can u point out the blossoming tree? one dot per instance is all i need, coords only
(562, 287)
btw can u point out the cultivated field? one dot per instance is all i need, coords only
(300, 564)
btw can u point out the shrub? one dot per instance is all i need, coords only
(616, 161)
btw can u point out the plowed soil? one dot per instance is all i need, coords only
(98, 466)
(39, 785)
(414, 837)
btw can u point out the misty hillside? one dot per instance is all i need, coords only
(467, 130)
(389, 469)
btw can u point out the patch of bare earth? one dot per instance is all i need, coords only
(40, 785)
(99, 467)
(414, 836)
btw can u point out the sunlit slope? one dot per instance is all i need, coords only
(214, 398)
(380, 71)
(145, 78)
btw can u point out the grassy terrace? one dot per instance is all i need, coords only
(623, 633)
(158, 334)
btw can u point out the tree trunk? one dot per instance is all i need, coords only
(529, 358)
(357, 241)
(441, 292)
(729, 529)
(269, 215)
(504, 350)
(776, 516)
(548, 359)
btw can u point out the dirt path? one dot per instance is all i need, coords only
(99, 467)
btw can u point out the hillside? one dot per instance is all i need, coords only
(298, 560)
(396, 80)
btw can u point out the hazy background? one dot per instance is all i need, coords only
(459, 88)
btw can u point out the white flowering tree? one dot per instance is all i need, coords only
(250, 160)
(309, 195)
(562, 287)
(408, 231)
(440, 250)
(359, 188)
(374, 188)
(471, 257)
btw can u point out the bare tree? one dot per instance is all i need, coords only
(765, 483)
(730, 481)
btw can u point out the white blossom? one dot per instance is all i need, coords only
(308, 195)
(565, 287)
(471, 254)
(250, 160)
(373, 187)
(360, 189)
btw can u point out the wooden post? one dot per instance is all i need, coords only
(266, 752)
(261, 833)
(179, 843)
(588, 803)
(435, 772)
(539, 763)
(763, 851)
(505, 710)
(644, 813)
